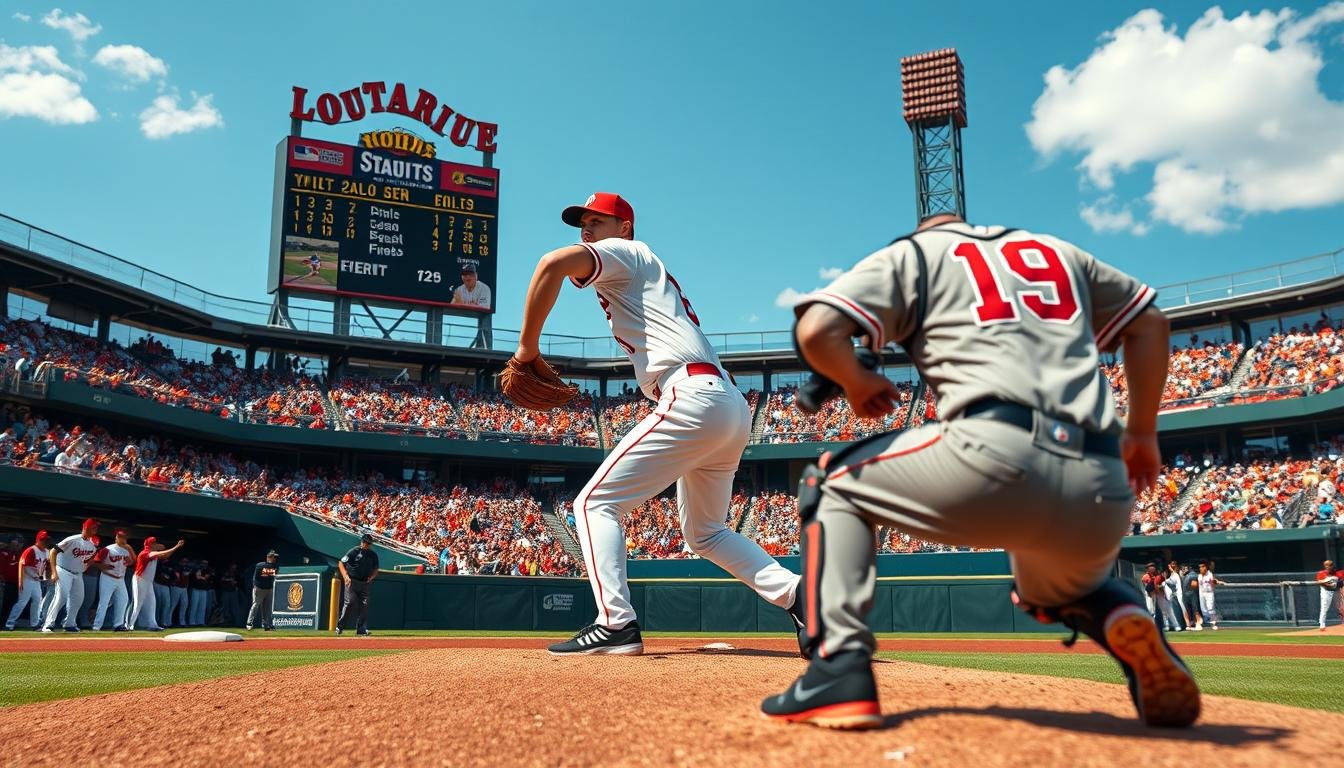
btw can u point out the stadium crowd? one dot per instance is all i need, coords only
(1191, 373)
(486, 529)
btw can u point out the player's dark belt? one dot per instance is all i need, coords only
(1023, 417)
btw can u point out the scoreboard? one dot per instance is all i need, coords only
(384, 223)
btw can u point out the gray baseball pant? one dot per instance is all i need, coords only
(356, 594)
(1060, 513)
(260, 612)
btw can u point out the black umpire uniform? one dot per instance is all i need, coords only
(358, 568)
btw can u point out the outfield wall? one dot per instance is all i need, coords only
(908, 604)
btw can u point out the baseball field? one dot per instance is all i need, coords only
(453, 698)
(297, 270)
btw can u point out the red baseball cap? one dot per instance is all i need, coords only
(42, 535)
(90, 523)
(119, 532)
(150, 541)
(608, 203)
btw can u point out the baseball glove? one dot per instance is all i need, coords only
(535, 385)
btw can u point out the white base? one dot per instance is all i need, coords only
(203, 636)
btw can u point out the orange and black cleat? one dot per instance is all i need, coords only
(836, 692)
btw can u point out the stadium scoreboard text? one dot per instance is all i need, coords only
(384, 220)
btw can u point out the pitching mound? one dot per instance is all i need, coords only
(1333, 629)
(480, 706)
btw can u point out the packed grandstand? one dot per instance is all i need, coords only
(448, 491)
(498, 526)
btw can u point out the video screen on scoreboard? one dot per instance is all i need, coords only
(380, 224)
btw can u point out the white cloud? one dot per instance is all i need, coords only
(1231, 117)
(164, 117)
(25, 18)
(77, 25)
(788, 297)
(830, 273)
(34, 82)
(48, 97)
(753, 318)
(131, 61)
(28, 58)
(1103, 216)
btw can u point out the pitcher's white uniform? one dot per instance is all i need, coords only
(73, 557)
(33, 561)
(694, 437)
(112, 585)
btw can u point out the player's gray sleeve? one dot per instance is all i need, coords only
(1117, 298)
(878, 294)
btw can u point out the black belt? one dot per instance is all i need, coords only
(1023, 417)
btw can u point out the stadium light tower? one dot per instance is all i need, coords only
(933, 89)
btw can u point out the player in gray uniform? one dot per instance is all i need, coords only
(1005, 326)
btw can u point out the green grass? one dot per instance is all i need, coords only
(1308, 683)
(1275, 636)
(30, 677)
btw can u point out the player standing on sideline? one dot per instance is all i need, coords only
(113, 560)
(1207, 583)
(1329, 580)
(146, 567)
(358, 568)
(694, 437)
(68, 560)
(32, 578)
(263, 581)
(1005, 325)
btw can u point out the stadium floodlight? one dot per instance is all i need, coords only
(933, 91)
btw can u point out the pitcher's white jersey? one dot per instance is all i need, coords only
(649, 316)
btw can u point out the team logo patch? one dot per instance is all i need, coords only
(295, 596)
(591, 199)
(1060, 434)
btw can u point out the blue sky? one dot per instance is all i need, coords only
(760, 143)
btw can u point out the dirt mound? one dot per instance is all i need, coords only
(481, 706)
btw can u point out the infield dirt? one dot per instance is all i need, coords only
(675, 706)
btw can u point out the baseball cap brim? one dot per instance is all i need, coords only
(573, 215)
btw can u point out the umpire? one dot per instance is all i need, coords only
(359, 568)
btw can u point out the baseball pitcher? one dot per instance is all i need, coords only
(694, 437)
(1005, 325)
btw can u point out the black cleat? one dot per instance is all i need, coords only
(340, 631)
(838, 692)
(596, 639)
(800, 626)
(1164, 692)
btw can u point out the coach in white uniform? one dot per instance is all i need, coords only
(69, 559)
(113, 560)
(146, 565)
(694, 437)
(32, 582)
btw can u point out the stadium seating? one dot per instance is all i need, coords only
(495, 418)
(373, 405)
(1191, 372)
(495, 528)
(835, 422)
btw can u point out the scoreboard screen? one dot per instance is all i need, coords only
(377, 223)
